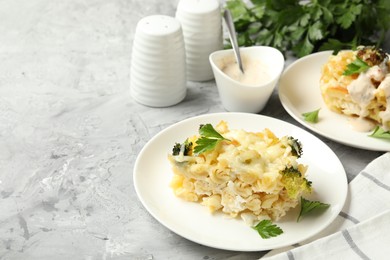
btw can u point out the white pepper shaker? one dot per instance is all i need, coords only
(158, 63)
(201, 22)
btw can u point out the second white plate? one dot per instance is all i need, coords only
(152, 175)
(299, 92)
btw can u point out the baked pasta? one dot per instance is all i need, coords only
(357, 83)
(250, 175)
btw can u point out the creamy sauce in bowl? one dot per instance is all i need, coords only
(255, 72)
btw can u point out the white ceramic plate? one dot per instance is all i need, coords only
(152, 174)
(299, 92)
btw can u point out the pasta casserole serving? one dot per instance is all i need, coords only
(357, 83)
(252, 175)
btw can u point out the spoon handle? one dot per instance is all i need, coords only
(233, 38)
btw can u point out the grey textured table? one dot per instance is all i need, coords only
(70, 134)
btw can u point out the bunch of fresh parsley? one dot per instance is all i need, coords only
(308, 26)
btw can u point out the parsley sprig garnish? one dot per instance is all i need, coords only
(312, 116)
(267, 229)
(380, 133)
(356, 67)
(308, 206)
(209, 138)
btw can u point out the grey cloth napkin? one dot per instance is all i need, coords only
(361, 230)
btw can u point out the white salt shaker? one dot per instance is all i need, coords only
(158, 63)
(201, 22)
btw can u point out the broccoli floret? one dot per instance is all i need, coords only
(187, 146)
(176, 149)
(291, 172)
(294, 183)
(296, 146)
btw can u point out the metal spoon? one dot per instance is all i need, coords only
(233, 38)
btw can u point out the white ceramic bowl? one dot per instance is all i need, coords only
(240, 97)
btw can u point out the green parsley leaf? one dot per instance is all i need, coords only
(346, 19)
(380, 133)
(315, 32)
(356, 66)
(266, 229)
(303, 47)
(308, 206)
(208, 131)
(312, 116)
(209, 138)
(204, 144)
(335, 45)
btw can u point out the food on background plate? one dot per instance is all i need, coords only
(357, 83)
(252, 175)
